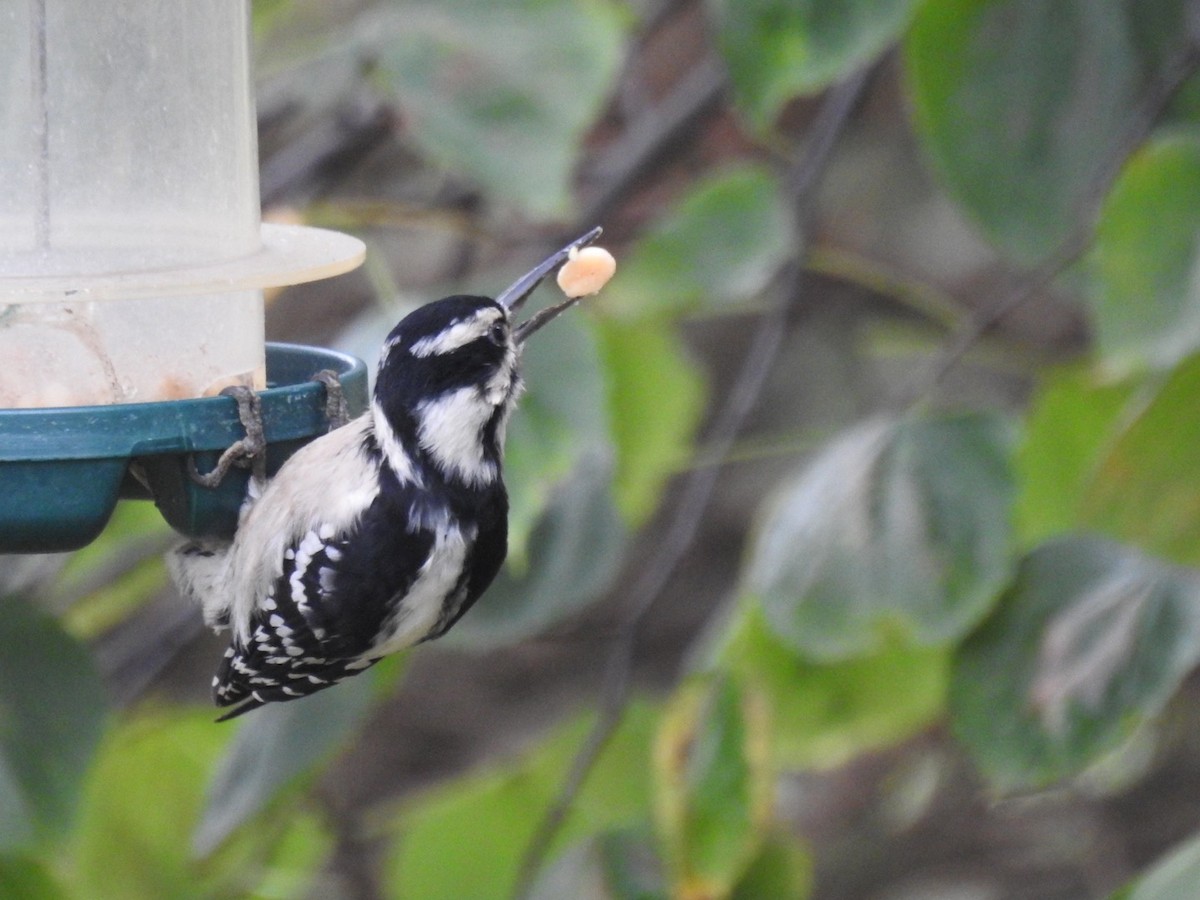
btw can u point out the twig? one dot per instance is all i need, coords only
(830, 122)
(320, 155)
(1159, 95)
(653, 135)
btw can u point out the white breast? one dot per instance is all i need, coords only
(419, 610)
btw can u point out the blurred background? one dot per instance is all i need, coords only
(853, 523)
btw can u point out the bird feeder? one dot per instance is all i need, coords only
(132, 267)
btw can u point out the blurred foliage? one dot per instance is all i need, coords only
(1173, 878)
(1129, 470)
(501, 90)
(1017, 573)
(431, 856)
(646, 360)
(825, 713)
(52, 715)
(1000, 99)
(778, 50)
(271, 751)
(895, 528)
(1089, 640)
(714, 785)
(720, 245)
(563, 426)
(143, 802)
(1146, 295)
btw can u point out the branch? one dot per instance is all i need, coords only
(653, 136)
(827, 127)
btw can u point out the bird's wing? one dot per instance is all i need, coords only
(324, 612)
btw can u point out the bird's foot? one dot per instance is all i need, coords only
(249, 451)
(336, 410)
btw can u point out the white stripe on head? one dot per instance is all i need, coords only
(459, 334)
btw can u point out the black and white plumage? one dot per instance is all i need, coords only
(384, 532)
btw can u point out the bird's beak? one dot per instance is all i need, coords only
(515, 295)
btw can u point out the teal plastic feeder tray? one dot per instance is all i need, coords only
(62, 470)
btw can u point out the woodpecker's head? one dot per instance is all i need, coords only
(449, 377)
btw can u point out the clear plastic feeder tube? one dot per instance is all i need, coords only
(132, 258)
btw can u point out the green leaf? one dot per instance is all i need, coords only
(52, 715)
(1174, 877)
(1068, 429)
(782, 869)
(275, 747)
(502, 90)
(105, 582)
(612, 865)
(133, 839)
(267, 14)
(575, 552)
(1143, 488)
(898, 529)
(825, 714)
(776, 49)
(291, 863)
(141, 807)
(719, 246)
(1020, 101)
(1091, 639)
(1117, 459)
(25, 879)
(1144, 266)
(713, 784)
(657, 398)
(466, 839)
(560, 425)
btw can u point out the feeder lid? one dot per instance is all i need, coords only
(289, 254)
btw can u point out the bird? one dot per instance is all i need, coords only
(382, 533)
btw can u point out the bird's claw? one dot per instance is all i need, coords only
(249, 451)
(336, 410)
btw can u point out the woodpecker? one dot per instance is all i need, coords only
(382, 533)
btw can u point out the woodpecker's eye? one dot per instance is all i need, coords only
(498, 334)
